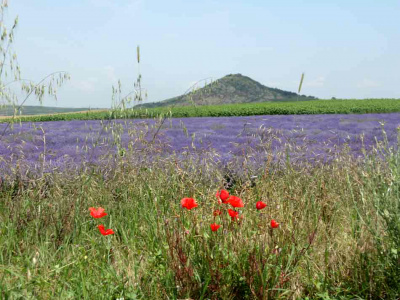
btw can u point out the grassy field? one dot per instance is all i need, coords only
(267, 108)
(338, 235)
(7, 111)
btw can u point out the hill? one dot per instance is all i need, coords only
(233, 88)
(39, 110)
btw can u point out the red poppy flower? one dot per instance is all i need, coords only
(188, 203)
(223, 195)
(103, 231)
(260, 205)
(215, 227)
(97, 213)
(235, 201)
(217, 212)
(234, 214)
(274, 224)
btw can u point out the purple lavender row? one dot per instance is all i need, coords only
(57, 145)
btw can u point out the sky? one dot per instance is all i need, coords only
(346, 48)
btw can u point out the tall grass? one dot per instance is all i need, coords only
(14, 89)
(338, 234)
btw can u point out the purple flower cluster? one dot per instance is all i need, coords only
(53, 145)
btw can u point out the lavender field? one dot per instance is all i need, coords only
(314, 138)
(128, 209)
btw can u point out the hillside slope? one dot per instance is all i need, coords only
(233, 88)
(39, 110)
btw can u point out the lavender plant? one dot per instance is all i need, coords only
(233, 141)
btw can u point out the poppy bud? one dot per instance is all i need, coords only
(234, 214)
(223, 195)
(260, 205)
(217, 212)
(274, 224)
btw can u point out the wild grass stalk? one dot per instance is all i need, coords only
(338, 234)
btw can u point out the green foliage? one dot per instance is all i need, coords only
(229, 110)
(233, 88)
(338, 237)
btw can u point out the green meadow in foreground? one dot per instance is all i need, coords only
(335, 235)
(227, 110)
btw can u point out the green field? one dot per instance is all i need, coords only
(39, 110)
(227, 110)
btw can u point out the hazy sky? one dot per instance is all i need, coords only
(347, 48)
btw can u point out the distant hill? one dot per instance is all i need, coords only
(233, 88)
(39, 110)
